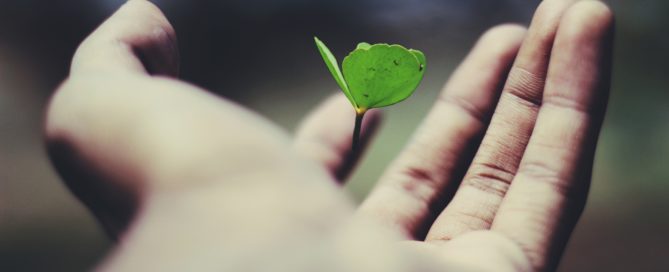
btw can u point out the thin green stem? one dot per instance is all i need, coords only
(355, 146)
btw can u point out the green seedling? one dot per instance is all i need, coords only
(375, 76)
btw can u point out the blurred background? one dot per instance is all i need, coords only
(261, 53)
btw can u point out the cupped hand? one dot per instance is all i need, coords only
(493, 180)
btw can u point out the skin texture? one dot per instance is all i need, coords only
(187, 181)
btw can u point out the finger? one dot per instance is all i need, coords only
(325, 136)
(474, 205)
(416, 183)
(137, 38)
(549, 191)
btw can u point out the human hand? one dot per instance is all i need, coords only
(198, 181)
(528, 181)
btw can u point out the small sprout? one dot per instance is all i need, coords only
(375, 76)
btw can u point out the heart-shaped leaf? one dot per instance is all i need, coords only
(381, 75)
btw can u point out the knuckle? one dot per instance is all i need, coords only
(489, 178)
(539, 170)
(62, 106)
(461, 222)
(418, 177)
(525, 87)
(417, 182)
(90, 99)
(549, 175)
(466, 106)
(473, 220)
(561, 101)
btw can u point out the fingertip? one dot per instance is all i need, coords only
(146, 7)
(505, 32)
(587, 18)
(137, 38)
(548, 13)
(502, 40)
(155, 40)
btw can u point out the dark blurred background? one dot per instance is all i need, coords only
(261, 53)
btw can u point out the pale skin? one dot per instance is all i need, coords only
(188, 181)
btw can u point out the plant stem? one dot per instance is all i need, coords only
(355, 146)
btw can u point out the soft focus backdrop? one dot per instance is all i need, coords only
(261, 53)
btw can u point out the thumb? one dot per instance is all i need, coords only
(136, 38)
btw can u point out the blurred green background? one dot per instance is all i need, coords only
(260, 53)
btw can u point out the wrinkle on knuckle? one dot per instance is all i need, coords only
(525, 87)
(489, 178)
(422, 183)
(563, 102)
(419, 182)
(473, 220)
(463, 220)
(562, 151)
(539, 171)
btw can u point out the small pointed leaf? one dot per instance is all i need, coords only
(333, 66)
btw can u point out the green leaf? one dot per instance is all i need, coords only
(363, 45)
(420, 56)
(381, 75)
(333, 66)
